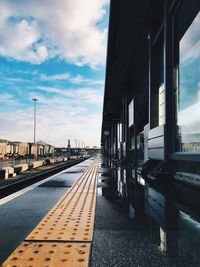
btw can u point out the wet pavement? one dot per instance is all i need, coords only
(138, 225)
(20, 215)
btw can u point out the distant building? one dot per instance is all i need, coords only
(20, 148)
(33, 149)
(68, 144)
(25, 149)
(44, 149)
(3, 147)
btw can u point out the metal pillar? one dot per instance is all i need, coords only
(34, 127)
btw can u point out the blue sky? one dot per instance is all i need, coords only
(54, 51)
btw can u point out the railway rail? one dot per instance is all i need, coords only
(9, 189)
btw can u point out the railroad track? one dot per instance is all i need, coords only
(9, 189)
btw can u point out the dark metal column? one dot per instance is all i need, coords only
(168, 80)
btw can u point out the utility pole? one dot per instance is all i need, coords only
(34, 130)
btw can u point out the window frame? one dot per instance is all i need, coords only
(178, 155)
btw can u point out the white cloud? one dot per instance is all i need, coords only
(55, 123)
(189, 44)
(185, 118)
(79, 95)
(29, 72)
(15, 80)
(19, 41)
(62, 76)
(90, 96)
(61, 28)
(79, 79)
(8, 99)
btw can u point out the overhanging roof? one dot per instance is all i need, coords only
(127, 52)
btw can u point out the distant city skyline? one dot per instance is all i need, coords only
(53, 51)
(41, 142)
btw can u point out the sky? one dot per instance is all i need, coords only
(189, 84)
(54, 51)
(189, 66)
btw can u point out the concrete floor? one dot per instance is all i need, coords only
(20, 215)
(122, 240)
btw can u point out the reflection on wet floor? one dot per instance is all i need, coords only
(173, 227)
(66, 178)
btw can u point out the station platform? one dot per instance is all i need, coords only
(88, 216)
(21, 214)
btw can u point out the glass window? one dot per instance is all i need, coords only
(119, 134)
(188, 89)
(132, 137)
(161, 103)
(157, 84)
(140, 148)
(131, 113)
(131, 125)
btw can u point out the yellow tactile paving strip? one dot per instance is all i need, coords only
(72, 218)
(36, 254)
(66, 231)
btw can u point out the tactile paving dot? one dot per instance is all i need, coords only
(37, 254)
(75, 210)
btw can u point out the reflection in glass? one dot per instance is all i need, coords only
(157, 83)
(131, 113)
(132, 137)
(161, 104)
(119, 135)
(163, 240)
(140, 148)
(169, 225)
(189, 89)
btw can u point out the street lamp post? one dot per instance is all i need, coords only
(35, 100)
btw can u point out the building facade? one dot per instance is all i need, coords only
(151, 113)
(3, 147)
